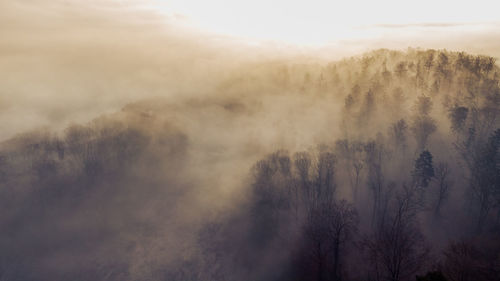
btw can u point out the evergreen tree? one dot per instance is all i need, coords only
(423, 171)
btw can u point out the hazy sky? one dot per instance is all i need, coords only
(317, 22)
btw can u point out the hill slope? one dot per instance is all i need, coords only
(151, 192)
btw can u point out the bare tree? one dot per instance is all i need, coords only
(464, 261)
(423, 105)
(329, 227)
(398, 100)
(401, 69)
(302, 182)
(374, 161)
(397, 250)
(398, 132)
(485, 178)
(352, 154)
(422, 127)
(458, 116)
(429, 61)
(343, 223)
(443, 184)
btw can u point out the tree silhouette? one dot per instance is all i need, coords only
(485, 178)
(423, 170)
(443, 182)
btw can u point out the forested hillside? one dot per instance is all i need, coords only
(384, 166)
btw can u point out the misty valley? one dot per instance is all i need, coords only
(380, 166)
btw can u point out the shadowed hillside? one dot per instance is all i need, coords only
(382, 166)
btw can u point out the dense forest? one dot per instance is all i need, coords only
(383, 166)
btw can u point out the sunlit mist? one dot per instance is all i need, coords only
(182, 140)
(320, 22)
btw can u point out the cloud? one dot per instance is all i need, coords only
(431, 25)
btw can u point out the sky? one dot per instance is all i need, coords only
(317, 22)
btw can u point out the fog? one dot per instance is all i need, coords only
(69, 61)
(136, 145)
(73, 60)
